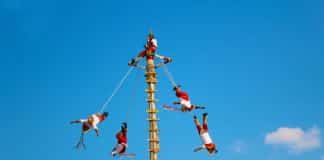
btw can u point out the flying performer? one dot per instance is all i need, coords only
(204, 136)
(184, 101)
(121, 146)
(90, 123)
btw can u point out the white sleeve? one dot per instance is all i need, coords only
(205, 138)
(95, 127)
(95, 120)
(159, 56)
(154, 42)
(83, 120)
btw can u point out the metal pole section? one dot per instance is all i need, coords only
(154, 142)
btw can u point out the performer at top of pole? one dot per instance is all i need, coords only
(149, 52)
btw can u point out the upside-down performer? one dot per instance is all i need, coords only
(121, 146)
(204, 136)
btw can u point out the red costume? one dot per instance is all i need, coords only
(121, 137)
(184, 100)
(149, 52)
(90, 123)
(182, 95)
(150, 48)
(121, 145)
(204, 129)
(204, 136)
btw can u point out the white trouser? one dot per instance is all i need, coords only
(185, 103)
(205, 138)
(118, 148)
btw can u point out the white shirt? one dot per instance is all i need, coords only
(154, 42)
(185, 103)
(95, 121)
(205, 138)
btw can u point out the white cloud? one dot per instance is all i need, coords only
(295, 139)
(238, 146)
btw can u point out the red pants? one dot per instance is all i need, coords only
(204, 126)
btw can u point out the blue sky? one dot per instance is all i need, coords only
(257, 66)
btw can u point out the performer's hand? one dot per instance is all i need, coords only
(72, 122)
(132, 62)
(167, 60)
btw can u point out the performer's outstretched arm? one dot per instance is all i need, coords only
(176, 103)
(198, 149)
(165, 59)
(76, 121)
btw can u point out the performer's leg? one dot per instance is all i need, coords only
(118, 148)
(197, 107)
(85, 127)
(199, 128)
(134, 61)
(184, 108)
(205, 121)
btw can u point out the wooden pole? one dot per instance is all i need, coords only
(154, 142)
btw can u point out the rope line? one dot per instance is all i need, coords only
(116, 89)
(132, 100)
(169, 75)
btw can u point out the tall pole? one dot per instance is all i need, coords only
(154, 142)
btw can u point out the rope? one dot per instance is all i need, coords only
(132, 100)
(169, 75)
(116, 89)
